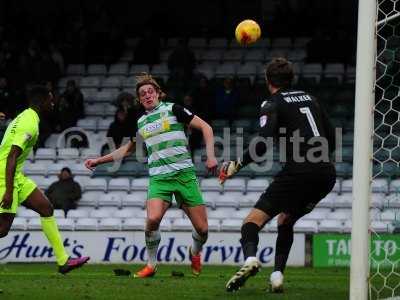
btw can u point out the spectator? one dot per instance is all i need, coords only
(57, 57)
(226, 99)
(64, 193)
(126, 102)
(182, 62)
(203, 99)
(120, 128)
(69, 107)
(195, 136)
(7, 101)
(147, 50)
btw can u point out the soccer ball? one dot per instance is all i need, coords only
(247, 32)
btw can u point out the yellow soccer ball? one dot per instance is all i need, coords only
(247, 32)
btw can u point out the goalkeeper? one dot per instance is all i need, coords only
(307, 176)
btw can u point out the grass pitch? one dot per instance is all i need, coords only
(40, 281)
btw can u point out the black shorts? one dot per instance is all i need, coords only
(296, 194)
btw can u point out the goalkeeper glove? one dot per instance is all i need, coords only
(228, 169)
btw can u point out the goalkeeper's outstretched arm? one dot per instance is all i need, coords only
(268, 128)
(116, 155)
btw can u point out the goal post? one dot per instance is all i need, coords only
(363, 147)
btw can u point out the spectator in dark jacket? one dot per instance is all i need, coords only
(120, 128)
(64, 193)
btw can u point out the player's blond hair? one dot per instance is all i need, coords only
(145, 78)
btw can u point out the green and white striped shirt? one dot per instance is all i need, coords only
(163, 132)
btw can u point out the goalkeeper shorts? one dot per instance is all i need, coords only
(183, 185)
(295, 194)
(23, 187)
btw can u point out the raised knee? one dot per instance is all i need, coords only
(203, 231)
(47, 211)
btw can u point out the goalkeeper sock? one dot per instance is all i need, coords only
(153, 239)
(50, 229)
(284, 242)
(249, 240)
(198, 242)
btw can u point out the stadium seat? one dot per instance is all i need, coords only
(90, 82)
(174, 214)
(94, 110)
(334, 71)
(89, 94)
(344, 200)
(51, 141)
(34, 224)
(210, 184)
(380, 227)
(79, 169)
(164, 55)
(312, 73)
(26, 213)
(199, 43)
(182, 225)
(247, 70)
(59, 214)
(90, 198)
(103, 212)
(137, 199)
(42, 182)
(89, 153)
(231, 225)
(235, 185)
(233, 55)
(134, 224)
(330, 226)
(394, 186)
(389, 216)
(377, 200)
(37, 168)
(107, 95)
(45, 154)
(213, 225)
(347, 186)
(347, 226)
(119, 184)
(77, 213)
(307, 226)
(297, 55)
(257, 185)
(86, 224)
(271, 226)
(209, 198)
(110, 199)
(225, 70)
(113, 82)
(140, 184)
(301, 42)
(254, 55)
(318, 214)
(19, 223)
(160, 70)
(281, 42)
(125, 213)
(207, 70)
(68, 154)
(138, 69)
(109, 224)
(118, 69)
(230, 199)
(88, 124)
(96, 69)
(76, 69)
(221, 43)
(241, 214)
(66, 224)
(96, 184)
(340, 214)
(165, 224)
(221, 213)
(212, 56)
(249, 199)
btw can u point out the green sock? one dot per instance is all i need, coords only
(50, 229)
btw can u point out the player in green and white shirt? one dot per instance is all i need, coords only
(171, 168)
(16, 189)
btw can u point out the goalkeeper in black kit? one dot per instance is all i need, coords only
(307, 176)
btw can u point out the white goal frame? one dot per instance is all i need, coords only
(363, 145)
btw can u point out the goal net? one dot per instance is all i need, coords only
(384, 257)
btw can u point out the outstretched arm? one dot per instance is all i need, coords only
(116, 155)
